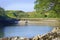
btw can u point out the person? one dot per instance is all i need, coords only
(26, 22)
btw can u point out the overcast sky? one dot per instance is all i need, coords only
(25, 5)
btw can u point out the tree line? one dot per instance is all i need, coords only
(48, 8)
(43, 9)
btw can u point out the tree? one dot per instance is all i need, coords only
(2, 12)
(43, 6)
(10, 13)
(20, 14)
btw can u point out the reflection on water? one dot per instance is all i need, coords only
(1, 32)
(26, 31)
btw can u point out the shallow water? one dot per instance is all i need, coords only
(26, 31)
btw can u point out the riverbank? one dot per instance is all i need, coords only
(53, 35)
(41, 21)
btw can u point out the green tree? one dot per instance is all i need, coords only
(10, 13)
(2, 12)
(20, 14)
(43, 6)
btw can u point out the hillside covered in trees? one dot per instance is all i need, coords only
(48, 8)
(5, 19)
(43, 9)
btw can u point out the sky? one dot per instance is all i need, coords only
(24, 5)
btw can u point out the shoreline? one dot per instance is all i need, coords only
(53, 35)
(53, 23)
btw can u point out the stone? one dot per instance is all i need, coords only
(0, 38)
(4, 38)
(56, 29)
(38, 37)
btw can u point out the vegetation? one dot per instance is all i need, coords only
(2, 12)
(43, 9)
(16, 14)
(49, 8)
(7, 18)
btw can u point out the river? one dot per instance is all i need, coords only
(26, 30)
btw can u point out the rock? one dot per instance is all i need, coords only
(4, 38)
(0, 38)
(38, 37)
(54, 35)
(56, 29)
(21, 38)
(56, 39)
(18, 38)
(13, 38)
